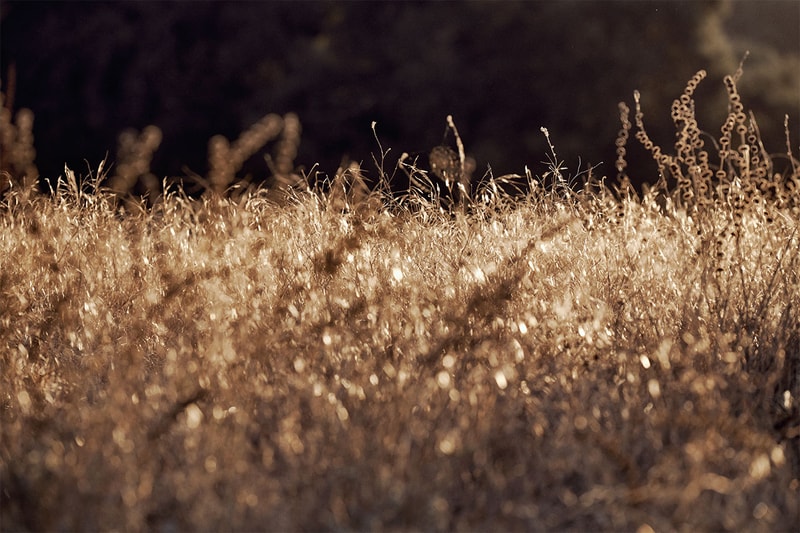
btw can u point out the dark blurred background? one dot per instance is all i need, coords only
(88, 70)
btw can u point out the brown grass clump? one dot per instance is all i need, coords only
(556, 361)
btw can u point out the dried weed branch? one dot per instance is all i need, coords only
(17, 152)
(134, 155)
(225, 159)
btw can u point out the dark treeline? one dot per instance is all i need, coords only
(90, 70)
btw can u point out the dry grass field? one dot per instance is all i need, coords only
(568, 358)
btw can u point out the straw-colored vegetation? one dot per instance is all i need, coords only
(574, 357)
